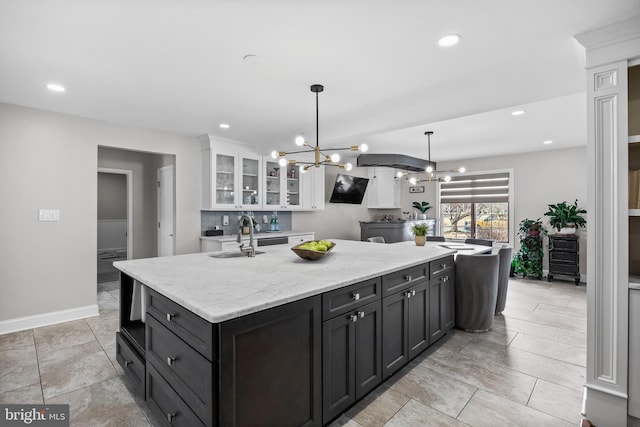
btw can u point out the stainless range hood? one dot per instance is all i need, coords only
(396, 161)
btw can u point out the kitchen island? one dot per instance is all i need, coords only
(275, 339)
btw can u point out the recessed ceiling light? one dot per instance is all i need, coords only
(449, 40)
(55, 87)
(224, 125)
(517, 113)
(547, 142)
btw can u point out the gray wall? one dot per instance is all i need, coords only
(49, 160)
(112, 196)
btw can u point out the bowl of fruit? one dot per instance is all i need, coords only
(312, 249)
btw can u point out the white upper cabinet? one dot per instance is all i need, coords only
(384, 190)
(282, 189)
(313, 189)
(232, 178)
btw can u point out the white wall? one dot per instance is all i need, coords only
(338, 220)
(49, 160)
(342, 221)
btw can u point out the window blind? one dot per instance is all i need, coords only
(485, 188)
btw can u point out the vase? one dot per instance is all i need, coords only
(421, 240)
(422, 216)
(245, 230)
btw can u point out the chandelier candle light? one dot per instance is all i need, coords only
(320, 158)
(430, 169)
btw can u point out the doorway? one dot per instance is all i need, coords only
(115, 221)
(165, 210)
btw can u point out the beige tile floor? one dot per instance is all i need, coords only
(527, 371)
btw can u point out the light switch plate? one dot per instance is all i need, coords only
(49, 215)
(265, 219)
(419, 189)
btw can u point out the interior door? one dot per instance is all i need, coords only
(165, 211)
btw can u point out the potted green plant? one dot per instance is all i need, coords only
(423, 207)
(420, 231)
(527, 262)
(246, 224)
(566, 218)
(531, 227)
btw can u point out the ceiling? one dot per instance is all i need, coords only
(179, 66)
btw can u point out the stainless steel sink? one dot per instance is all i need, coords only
(233, 254)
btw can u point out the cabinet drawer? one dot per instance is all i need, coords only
(341, 300)
(564, 244)
(399, 280)
(131, 363)
(559, 256)
(561, 268)
(440, 265)
(188, 372)
(192, 329)
(166, 404)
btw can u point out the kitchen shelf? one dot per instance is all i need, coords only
(634, 138)
(634, 212)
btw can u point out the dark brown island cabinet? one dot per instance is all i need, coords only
(564, 257)
(298, 364)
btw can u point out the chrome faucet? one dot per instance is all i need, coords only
(250, 250)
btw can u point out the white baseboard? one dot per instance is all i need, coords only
(46, 319)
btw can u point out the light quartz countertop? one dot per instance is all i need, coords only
(220, 289)
(261, 235)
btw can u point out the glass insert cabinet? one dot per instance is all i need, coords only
(242, 180)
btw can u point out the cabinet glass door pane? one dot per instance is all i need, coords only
(293, 186)
(250, 179)
(225, 179)
(272, 191)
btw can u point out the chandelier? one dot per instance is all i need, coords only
(320, 157)
(430, 169)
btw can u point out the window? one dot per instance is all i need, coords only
(476, 206)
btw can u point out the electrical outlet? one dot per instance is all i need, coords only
(265, 219)
(49, 215)
(225, 219)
